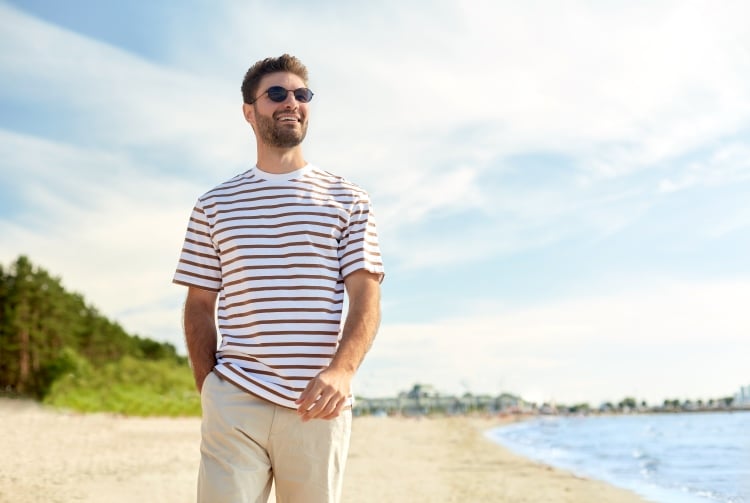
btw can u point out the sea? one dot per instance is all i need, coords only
(695, 457)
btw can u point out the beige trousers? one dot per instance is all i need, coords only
(248, 443)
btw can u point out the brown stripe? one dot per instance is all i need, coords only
(196, 264)
(304, 191)
(267, 333)
(366, 264)
(199, 276)
(284, 344)
(328, 300)
(277, 278)
(284, 356)
(275, 373)
(365, 254)
(350, 241)
(278, 246)
(202, 223)
(302, 232)
(269, 390)
(331, 258)
(278, 322)
(278, 215)
(199, 244)
(230, 199)
(308, 367)
(238, 270)
(280, 310)
(284, 188)
(326, 225)
(257, 209)
(270, 288)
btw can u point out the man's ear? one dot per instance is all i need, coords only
(248, 111)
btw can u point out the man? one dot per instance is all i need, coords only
(278, 245)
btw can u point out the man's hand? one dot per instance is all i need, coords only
(325, 396)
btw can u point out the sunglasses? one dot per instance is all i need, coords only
(278, 94)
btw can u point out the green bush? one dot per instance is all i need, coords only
(57, 348)
(66, 363)
(128, 386)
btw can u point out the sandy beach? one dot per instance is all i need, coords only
(51, 456)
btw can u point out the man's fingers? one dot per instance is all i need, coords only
(308, 396)
(327, 406)
(331, 406)
(324, 397)
(320, 407)
(336, 411)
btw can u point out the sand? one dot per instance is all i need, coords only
(53, 456)
(450, 460)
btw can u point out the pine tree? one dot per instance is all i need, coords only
(43, 328)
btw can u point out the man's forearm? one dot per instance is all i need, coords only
(360, 328)
(200, 338)
(326, 395)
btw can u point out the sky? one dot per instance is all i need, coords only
(561, 188)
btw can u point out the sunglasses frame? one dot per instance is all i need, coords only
(274, 94)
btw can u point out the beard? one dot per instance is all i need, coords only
(277, 135)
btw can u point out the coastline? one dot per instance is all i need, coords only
(56, 456)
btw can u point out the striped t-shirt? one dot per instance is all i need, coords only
(277, 248)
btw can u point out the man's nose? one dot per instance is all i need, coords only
(290, 100)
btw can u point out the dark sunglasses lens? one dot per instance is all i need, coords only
(303, 94)
(277, 93)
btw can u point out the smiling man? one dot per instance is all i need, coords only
(279, 246)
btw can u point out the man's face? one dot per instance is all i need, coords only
(280, 125)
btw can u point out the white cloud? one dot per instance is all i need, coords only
(415, 198)
(111, 230)
(657, 340)
(114, 98)
(426, 108)
(730, 163)
(577, 78)
(482, 81)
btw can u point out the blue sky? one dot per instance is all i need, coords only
(562, 191)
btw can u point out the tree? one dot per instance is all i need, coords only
(627, 402)
(42, 325)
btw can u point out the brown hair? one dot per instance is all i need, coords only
(284, 63)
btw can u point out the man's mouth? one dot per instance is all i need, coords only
(287, 118)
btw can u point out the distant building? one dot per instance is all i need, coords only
(742, 397)
(425, 399)
(422, 391)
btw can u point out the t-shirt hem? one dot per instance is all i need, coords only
(228, 378)
(364, 267)
(202, 287)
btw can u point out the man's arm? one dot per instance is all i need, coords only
(333, 385)
(200, 332)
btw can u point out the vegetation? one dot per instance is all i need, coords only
(56, 348)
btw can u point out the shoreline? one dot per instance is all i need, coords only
(65, 456)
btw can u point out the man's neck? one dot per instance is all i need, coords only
(279, 161)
